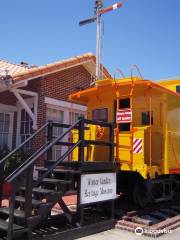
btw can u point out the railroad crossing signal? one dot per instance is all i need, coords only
(98, 11)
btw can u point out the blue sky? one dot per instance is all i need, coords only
(142, 32)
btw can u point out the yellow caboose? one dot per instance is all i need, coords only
(147, 133)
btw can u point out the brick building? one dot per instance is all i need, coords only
(29, 96)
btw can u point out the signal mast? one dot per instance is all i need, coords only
(98, 11)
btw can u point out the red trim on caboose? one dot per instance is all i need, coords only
(174, 170)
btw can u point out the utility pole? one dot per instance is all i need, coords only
(98, 6)
(98, 11)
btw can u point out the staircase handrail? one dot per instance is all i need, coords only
(24, 163)
(3, 160)
(29, 162)
(59, 160)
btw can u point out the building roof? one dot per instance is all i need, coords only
(171, 81)
(10, 68)
(21, 73)
(122, 86)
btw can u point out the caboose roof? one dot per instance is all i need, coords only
(123, 86)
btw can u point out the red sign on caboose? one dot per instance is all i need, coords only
(124, 115)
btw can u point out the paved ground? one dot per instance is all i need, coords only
(117, 234)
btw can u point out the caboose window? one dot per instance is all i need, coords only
(146, 118)
(100, 114)
(123, 103)
(178, 89)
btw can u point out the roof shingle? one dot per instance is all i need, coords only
(20, 73)
(10, 68)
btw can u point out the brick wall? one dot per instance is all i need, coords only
(7, 98)
(59, 86)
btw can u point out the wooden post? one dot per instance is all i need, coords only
(112, 208)
(150, 133)
(28, 192)
(50, 138)
(81, 138)
(111, 140)
(1, 182)
(80, 208)
(11, 213)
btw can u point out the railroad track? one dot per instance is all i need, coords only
(152, 221)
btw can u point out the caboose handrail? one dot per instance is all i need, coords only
(96, 122)
(59, 160)
(95, 142)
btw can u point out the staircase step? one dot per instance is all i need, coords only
(35, 202)
(42, 191)
(55, 181)
(17, 213)
(4, 227)
(70, 193)
(42, 169)
(58, 170)
(49, 162)
(70, 171)
(65, 164)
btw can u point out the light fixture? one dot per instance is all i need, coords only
(7, 79)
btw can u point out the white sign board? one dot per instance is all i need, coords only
(124, 115)
(97, 187)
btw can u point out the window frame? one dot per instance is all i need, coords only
(147, 121)
(66, 107)
(23, 122)
(178, 89)
(73, 119)
(123, 127)
(10, 132)
(100, 109)
(56, 150)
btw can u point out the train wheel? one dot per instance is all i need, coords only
(142, 194)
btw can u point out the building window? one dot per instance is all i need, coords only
(4, 130)
(74, 116)
(26, 127)
(56, 115)
(178, 89)
(100, 114)
(146, 118)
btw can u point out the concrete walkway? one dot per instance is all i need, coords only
(116, 234)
